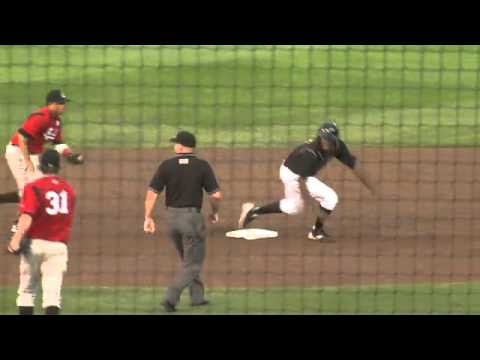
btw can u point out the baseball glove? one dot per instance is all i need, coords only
(75, 159)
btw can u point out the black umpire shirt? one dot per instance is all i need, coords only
(306, 160)
(184, 177)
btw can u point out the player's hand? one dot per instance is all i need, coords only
(214, 218)
(29, 167)
(149, 226)
(13, 246)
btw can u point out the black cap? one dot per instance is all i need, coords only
(57, 97)
(50, 161)
(185, 138)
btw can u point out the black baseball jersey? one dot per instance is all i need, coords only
(307, 160)
(184, 177)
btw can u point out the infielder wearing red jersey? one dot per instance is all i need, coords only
(22, 153)
(46, 209)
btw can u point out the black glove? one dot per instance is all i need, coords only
(75, 159)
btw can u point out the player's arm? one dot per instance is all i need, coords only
(351, 161)
(23, 139)
(24, 224)
(64, 149)
(211, 186)
(359, 170)
(28, 208)
(215, 200)
(149, 223)
(157, 184)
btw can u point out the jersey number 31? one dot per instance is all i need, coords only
(58, 203)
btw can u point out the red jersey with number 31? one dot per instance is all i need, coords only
(42, 127)
(50, 201)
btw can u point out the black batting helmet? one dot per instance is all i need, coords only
(329, 127)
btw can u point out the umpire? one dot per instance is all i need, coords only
(184, 177)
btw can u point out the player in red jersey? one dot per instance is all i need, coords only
(22, 153)
(46, 209)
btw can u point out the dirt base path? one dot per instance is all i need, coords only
(422, 229)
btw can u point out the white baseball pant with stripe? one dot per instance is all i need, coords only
(293, 202)
(46, 264)
(16, 163)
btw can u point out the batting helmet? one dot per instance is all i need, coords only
(329, 127)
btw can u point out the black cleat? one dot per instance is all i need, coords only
(168, 307)
(319, 234)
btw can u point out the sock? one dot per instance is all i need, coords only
(52, 310)
(324, 214)
(273, 208)
(9, 198)
(25, 310)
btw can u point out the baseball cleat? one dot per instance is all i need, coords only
(247, 215)
(318, 234)
(169, 308)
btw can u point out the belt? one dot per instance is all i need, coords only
(186, 209)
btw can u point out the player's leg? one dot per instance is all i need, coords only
(194, 255)
(29, 278)
(53, 269)
(9, 198)
(291, 204)
(16, 164)
(328, 200)
(196, 288)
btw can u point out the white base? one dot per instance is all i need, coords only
(252, 234)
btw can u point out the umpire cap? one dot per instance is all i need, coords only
(185, 138)
(329, 127)
(50, 161)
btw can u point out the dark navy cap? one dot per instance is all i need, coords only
(57, 97)
(50, 159)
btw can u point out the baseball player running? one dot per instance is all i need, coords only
(44, 225)
(22, 153)
(303, 164)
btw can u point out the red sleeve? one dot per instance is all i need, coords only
(30, 202)
(35, 125)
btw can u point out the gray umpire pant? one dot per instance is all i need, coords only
(186, 229)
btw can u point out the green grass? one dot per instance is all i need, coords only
(386, 299)
(138, 96)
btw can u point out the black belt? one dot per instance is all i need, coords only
(185, 209)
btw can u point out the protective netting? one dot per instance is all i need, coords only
(410, 113)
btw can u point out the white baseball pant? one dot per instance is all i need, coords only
(16, 163)
(293, 202)
(47, 262)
